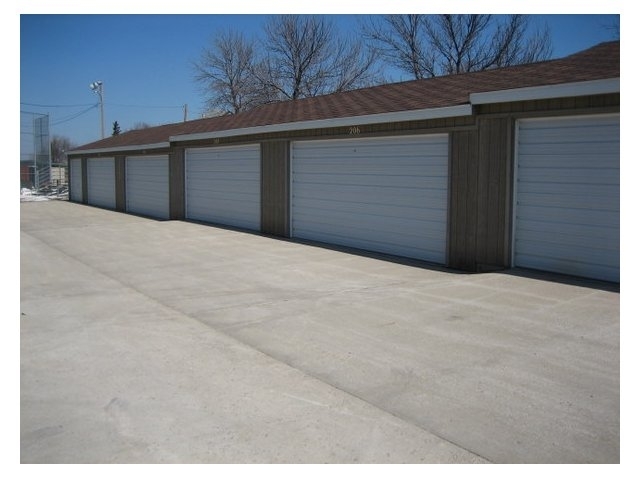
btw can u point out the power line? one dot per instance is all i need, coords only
(35, 113)
(91, 106)
(55, 106)
(143, 106)
(106, 104)
(75, 115)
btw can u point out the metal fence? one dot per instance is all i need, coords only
(35, 151)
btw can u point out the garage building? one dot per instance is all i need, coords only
(518, 166)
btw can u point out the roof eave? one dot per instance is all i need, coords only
(125, 148)
(402, 116)
(573, 89)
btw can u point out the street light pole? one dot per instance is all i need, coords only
(97, 87)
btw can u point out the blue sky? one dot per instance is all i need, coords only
(145, 63)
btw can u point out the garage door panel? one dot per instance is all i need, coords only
(368, 221)
(211, 188)
(374, 158)
(374, 196)
(571, 219)
(571, 128)
(146, 206)
(602, 189)
(236, 169)
(149, 178)
(101, 182)
(349, 209)
(572, 267)
(376, 244)
(148, 188)
(225, 207)
(405, 144)
(223, 191)
(597, 237)
(567, 255)
(318, 207)
(222, 176)
(222, 185)
(548, 151)
(409, 180)
(354, 154)
(580, 137)
(231, 153)
(371, 167)
(382, 194)
(379, 163)
(594, 202)
(567, 216)
(371, 195)
(147, 185)
(572, 175)
(571, 160)
(150, 208)
(231, 217)
(568, 196)
(597, 200)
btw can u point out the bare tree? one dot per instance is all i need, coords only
(306, 57)
(430, 45)
(401, 41)
(301, 56)
(458, 42)
(516, 45)
(354, 66)
(140, 126)
(298, 55)
(60, 145)
(226, 71)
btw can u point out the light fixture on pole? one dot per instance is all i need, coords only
(97, 88)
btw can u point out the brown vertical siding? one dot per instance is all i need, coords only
(176, 184)
(463, 189)
(121, 191)
(492, 201)
(275, 187)
(85, 187)
(478, 208)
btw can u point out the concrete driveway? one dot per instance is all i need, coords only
(147, 341)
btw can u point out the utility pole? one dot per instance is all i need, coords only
(184, 108)
(98, 88)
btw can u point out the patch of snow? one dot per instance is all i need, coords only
(33, 198)
(29, 195)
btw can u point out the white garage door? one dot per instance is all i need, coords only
(568, 196)
(147, 185)
(75, 180)
(222, 185)
(386, 195)
(101, 182)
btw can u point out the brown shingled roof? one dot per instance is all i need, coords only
(599, 62)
